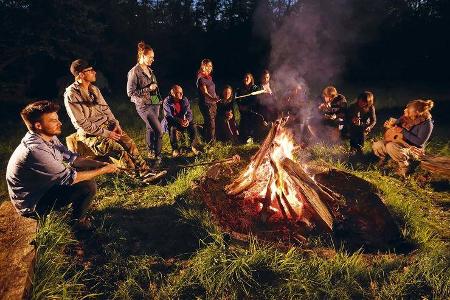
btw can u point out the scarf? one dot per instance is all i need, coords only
(200, 74)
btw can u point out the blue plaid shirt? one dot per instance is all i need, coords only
(35, 167)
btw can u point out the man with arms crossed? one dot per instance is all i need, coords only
(96, 125)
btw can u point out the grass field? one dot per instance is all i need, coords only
(159, 242)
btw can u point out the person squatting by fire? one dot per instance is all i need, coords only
(42, 172)
(406, 137)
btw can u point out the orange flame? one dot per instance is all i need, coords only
(284, 199)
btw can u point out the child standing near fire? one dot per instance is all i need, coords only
(360, 119)
(227, 129)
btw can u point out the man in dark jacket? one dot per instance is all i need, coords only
(178, 118)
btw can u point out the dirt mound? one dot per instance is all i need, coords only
(361, 220)
(16, 252)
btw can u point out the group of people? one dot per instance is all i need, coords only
(43, 174)
(405, 138)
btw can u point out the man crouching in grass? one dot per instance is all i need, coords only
(42, 173)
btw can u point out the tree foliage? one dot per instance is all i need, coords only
(236, 33)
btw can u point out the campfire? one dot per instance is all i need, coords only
(278, 198)
(280, 188)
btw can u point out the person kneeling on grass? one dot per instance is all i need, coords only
(178, 118)
(42, 173)
(330, 125)
(406, 137)
(360, 119)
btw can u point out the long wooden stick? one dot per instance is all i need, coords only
(251, 94)
(235, 158)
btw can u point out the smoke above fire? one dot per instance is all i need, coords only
(313, 40)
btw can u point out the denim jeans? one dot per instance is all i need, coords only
(149, 113)
(209, 112)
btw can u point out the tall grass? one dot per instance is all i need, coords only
(220, 269)
(55, 274)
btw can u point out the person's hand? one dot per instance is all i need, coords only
(109, 168)
(355, 121)
(185, 122)
(114, 136)
(117, 129)
(153, 86)
(229, 115)
(367, 131)
(398, 129)
(390, 123)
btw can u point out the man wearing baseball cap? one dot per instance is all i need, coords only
(96, 125)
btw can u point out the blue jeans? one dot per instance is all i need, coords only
(149, 113)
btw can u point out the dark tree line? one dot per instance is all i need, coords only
(39, 39)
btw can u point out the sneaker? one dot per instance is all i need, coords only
(175, 153)
(154, 177)
(146, 173)
(194, 150)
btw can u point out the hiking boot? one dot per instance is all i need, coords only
(175, 153)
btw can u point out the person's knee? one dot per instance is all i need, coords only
(159, 131)
(377, 146)
(395, 151)
(391, 148)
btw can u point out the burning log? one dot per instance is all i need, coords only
(289, 193)
(276, 199)
(247, 178)
(313, 194)
(438, 165)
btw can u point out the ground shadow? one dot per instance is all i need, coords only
(156, 231)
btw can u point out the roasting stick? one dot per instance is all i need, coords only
(251, 94)
(235, 158)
